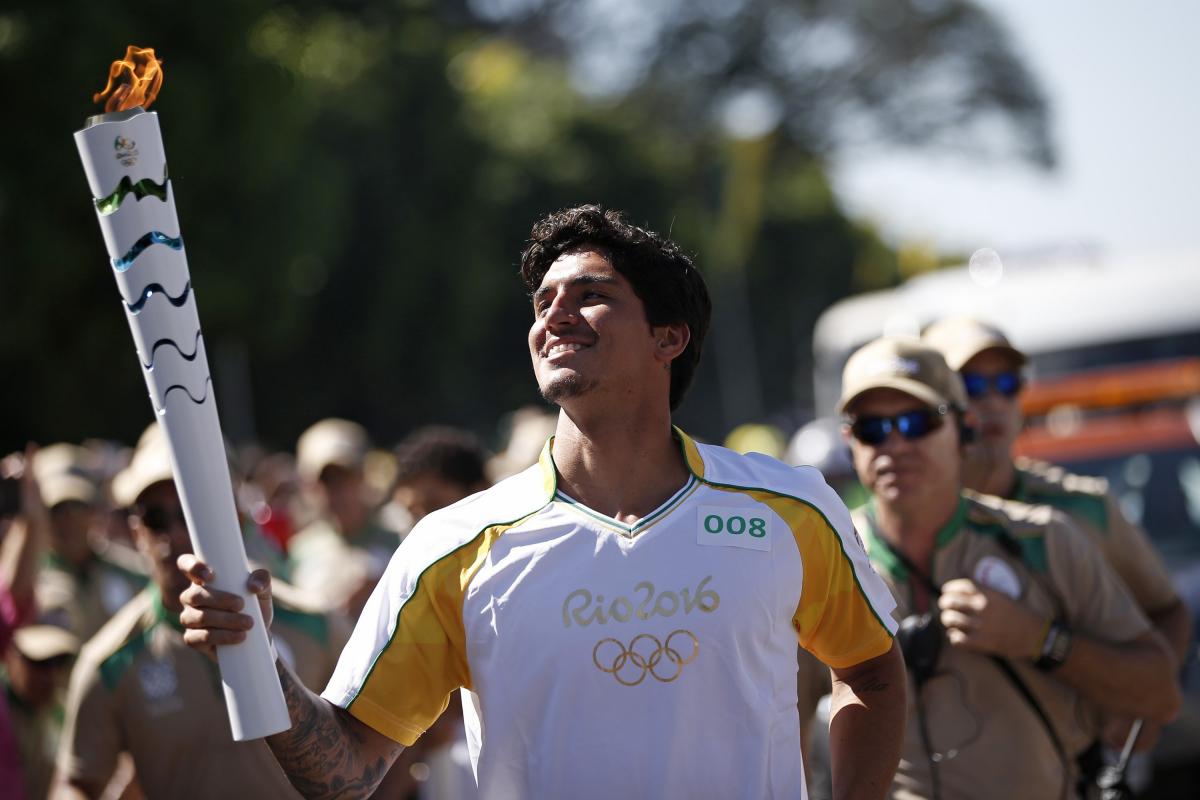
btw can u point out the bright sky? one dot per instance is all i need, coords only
(1121, 80)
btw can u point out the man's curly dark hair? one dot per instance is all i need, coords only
(663, 277)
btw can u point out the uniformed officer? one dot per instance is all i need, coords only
(138, 689)
(1015, 628)
(991, 369)
(79, 587)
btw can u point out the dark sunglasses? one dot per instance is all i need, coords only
(1006, 383)
(911, 425)
(159, 519)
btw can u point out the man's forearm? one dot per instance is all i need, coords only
(866, 726)
(326, 753)
(1134, 678)
(1175, 624)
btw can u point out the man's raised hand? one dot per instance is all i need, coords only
(212, 618)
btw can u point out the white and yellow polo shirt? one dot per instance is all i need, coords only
(599, 659)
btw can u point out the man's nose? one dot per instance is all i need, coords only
(561, 313)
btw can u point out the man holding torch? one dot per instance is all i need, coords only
(623, 616)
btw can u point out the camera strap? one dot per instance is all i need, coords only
(1002, 664)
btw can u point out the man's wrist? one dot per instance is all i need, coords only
(1039, 644)
(1056, 648)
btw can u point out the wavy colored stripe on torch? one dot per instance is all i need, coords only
(186, 356)
(152, 238)
(184, 389)
(141, 190)
(149, 291)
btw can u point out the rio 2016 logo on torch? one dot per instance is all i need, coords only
(126, 151)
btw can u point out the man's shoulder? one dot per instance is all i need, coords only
(1029, 530)
(725, 468)
(1082, 496)
(114, 647)
(1018, 518)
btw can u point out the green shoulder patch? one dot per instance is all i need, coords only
(1089, 507)
(315, 626)
(1030, 547)
(113, 667)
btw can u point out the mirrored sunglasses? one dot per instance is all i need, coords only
(1006, 384)
(911, 425)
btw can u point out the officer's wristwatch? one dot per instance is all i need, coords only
(1056, 648)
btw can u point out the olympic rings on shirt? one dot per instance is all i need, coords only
(644, 656)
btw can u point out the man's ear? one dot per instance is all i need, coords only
(670, 340)
(845, 430)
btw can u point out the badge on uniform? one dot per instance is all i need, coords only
(733, 527)
(996, 573)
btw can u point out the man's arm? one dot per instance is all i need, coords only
(327, 753)
(29, 533)
(1136, 677)
(1175, 624)
(866, 725)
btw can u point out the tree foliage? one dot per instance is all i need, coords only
(354, 182)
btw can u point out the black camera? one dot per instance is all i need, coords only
(921, 637)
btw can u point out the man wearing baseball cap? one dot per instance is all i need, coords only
(78, 587)
(1014, 627)
(138, 688)
(341, 554)
(991, 369)
(35, 671)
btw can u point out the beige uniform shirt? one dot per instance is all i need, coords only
(1091, 506)
(138, 688)
(334, 567)
(988, 741)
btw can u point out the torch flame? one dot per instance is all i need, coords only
(132, 81)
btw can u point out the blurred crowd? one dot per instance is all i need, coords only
(95, 674)
(103, 699)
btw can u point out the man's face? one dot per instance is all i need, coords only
(997, 417)
(34, 681)
(907, 473)
(342, 490)
(590, 331)
(426, 492)
(70, 522)
(161, 535)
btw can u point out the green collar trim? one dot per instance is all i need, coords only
(161, 614)
(691, 460)
(643, 523)
(882, 553)
(1020, 490)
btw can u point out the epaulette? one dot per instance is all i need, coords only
(1075, 495)
(1020, 528)
(120, 640)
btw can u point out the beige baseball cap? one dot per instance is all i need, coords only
(329, 442)
(960, 339)
(906, 365)
(62, 475)
(43, 642)
(151, 464)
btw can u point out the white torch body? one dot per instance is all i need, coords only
(123, 157)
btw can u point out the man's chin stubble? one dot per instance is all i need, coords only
(565, 387)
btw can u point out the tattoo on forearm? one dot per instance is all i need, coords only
(872, 685)
(321, 753)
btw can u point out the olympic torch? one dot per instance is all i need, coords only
(126, 166)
